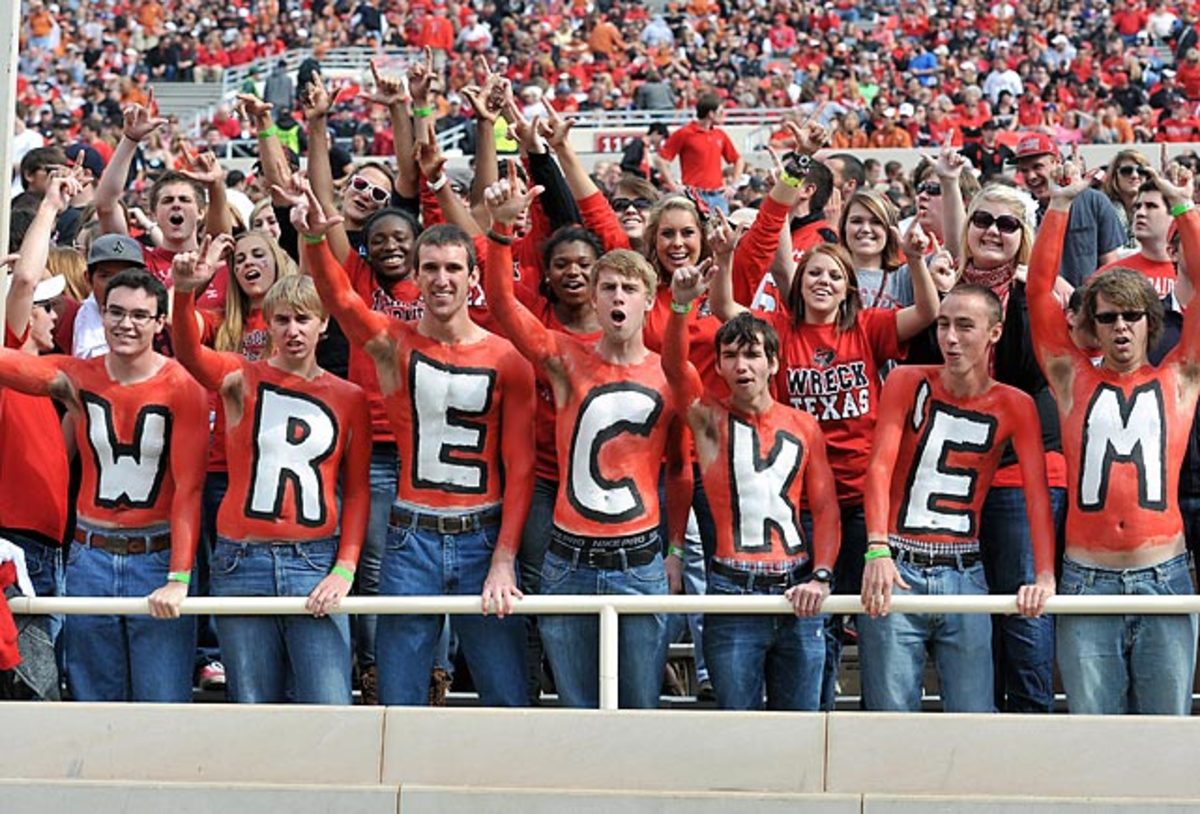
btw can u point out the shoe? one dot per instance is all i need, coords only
(212, 676)
(370, 686)
(706, 691)
(439, 685)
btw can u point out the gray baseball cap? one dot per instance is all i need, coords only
(116, 248)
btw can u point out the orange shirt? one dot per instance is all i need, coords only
(1124, 436)
(934, 457)
(895, 137)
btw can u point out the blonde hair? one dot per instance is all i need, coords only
(66, 262)
(237, 304)
(297, 292)
(885, 212)
(628, 264)
(650, 239)
(1110, 177)
(1017, 203)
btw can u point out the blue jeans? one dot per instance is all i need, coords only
(847, 579)
(744, 653)
(384, 474)
(694, 584)
(46, 572)
(716, 200)
(272, 659)
(534, 540)
(573, 642)
(418, 562)
(125, 658)
(1113, 665)
(1022, 648)
(208, 647)
(891, 649)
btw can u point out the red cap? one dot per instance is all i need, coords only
(1033, 144)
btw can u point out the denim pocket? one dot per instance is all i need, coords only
(649, 574)
(554, 571)
(317, 556)
(978, 579)
(397, 539)
(73, 552)
(226, 558)
(1177, 583)
(1070, 584)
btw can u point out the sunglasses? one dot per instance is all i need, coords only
(1110, 317)
(930, 188)
(1007, 224)
(1129, 170)
(640, 204)
(378, 194)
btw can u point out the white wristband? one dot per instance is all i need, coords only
(439, 182)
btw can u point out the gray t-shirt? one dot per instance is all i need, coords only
(897, 290)
(1093, 230)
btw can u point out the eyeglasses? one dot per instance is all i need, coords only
(930, 188)
(378, 193)
(640, 204)
(47, 306)
(1007, 224)
(1110, 317)
(115, 315)
(1129, 170)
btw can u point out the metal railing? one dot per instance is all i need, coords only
(610, 607)
(335, 59)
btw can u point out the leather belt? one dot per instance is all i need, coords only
(762, 579)
(445, 523)
(124, 543)
(610, 558)
(925, 560)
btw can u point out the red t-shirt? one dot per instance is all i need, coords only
(835, 377)
(33, 462)
(1159, 272)
(700, 154)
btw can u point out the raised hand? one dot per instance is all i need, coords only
(1068, 182)
(1175, 184)
(505, 201)
(62, 187)
(429, 158)
(723, 238)
(205, 169)
(556, 129)
(140, 121)
(689, 283)
(420, 78)
(192, 271)
(307, 215)
(810, 136)
(253, 109)
(949, 162)
(915, 242)
(315, 99)
(942, 267)
(389, 90)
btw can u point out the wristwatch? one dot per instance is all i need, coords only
(823, 575)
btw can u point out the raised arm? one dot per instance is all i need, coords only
(1177, 195)
(35, 249)
(359, 322)
(723, 239)
(948, 168)
(271, 152)
(191, 272)
(920, 315)
(687, 285)
(1031, 455)
(34, 375)
(140, 122)
(1051, 337)
(391, 93)
(433, 166)
(880, 574)
(535, 342)
(207, 170)
(317, 103)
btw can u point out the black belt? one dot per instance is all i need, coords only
(124, 543)
(920, 558)
(446, 523)
(608, 557)
(762, 579)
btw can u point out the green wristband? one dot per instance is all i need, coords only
(273, 130)
(1182, 208)
(675, 551)
(313, 240)
(423, 112)
(184, 577)
(877, 553)
(681, 308)
(343, 572)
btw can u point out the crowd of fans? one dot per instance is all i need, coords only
(808, 308)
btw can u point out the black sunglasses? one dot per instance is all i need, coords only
(1110, 317)
(1007, 224)
(1133, 169)
(930, 188)
(640, 204)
